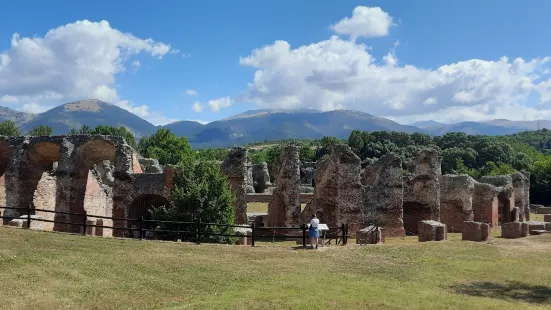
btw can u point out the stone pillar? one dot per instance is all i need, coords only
(485, 204)
(338, 193)
(235, 167)
(422, 191)
(456, 201)
(284, 209)
(475, 231)
(383, 195)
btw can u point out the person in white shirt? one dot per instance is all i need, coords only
(313, 232)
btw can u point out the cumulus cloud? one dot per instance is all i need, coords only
(197, 106)
(220, 103)
(365, 22)
(342, 74)
(72, 62)
(191, 92)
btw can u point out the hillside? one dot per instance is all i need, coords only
(92, 113)
(473, 128)
(19, 118)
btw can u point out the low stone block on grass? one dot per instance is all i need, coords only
(244, 235)
(22, 222)
(432, 231)
(547, 217)
(514, 230)
(536, 225)
(475, 231)
(369, 235)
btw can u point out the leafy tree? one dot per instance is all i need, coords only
(201, 192)
(40, 131)
(540, 181)
(8, 128)
(307, 153)
(166, 147)
(355, 141)
(212, 154)
(120, 131)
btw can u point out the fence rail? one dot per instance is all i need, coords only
(198, 230)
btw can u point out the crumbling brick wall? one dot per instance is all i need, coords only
(422, 191)
(338, 192)
(236, 168)
(284, 209)
(383, 195)
(456, 201)
(485, 204)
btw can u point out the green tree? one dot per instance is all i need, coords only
(8, 128)
(120, 131)
(166, 147)
(355, 141)
(40, 131)
(201, 192)
(307, 153)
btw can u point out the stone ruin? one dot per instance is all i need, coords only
(307, 173)
(84, 174)
(383, 195)
(338, 192)
(284, 209)
(236, 168)
(422, 191)
(103, 176)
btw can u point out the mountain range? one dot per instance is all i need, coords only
(251, 126)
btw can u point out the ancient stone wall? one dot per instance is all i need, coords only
(383, 194)
(485, 204)
(236, 168)
(422, 191)
(307, 173)
(338, 192)
(505, 195)
(84, 174)
(521, 186)
(456, 201)
(284, 209)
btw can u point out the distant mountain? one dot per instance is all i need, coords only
(89, 112)
(254, 126)
(19, 118)
(473, 128)
(184, 128)
(526, 125)
(426, 124)
(251, 126)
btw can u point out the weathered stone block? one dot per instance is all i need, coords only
(548, 226)
(515, 214)
(547, 218)
(525, 230)
(513, 230)
(369, 235)
(544, 210)
(284, 209)
(536, 225)
(432, 231)
(245, 235)
(475, 231)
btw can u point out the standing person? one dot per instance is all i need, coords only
(313, 232)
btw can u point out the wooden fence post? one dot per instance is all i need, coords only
(304, 235)
(84, 220)
(198, 230)
(141, 228)
(252, 233)
(29, 217)
(343, 231)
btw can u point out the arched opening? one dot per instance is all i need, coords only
(38, 175)
(92, 193)
(5, 155)
(140, 207)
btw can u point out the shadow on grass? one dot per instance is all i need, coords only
(508, 290)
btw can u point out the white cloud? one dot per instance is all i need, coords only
(191, 92)
(220, 103)
(136, 64)
(365, 22)
(72, 62)
(197, 106)
(35, 108)
(342, 74)
(6, 99)
(186, 55)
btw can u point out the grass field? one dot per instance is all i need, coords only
(41, 270)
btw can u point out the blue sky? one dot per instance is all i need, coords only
(406, 60)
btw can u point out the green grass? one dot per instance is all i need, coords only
(41, 270)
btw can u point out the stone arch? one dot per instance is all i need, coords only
(38, 177)
(5, 156)
(92, 191)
